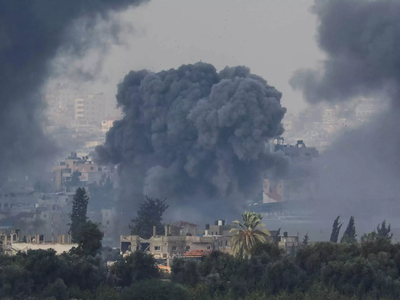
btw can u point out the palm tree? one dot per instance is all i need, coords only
(248, 234)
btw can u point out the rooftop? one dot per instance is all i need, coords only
(197, 253)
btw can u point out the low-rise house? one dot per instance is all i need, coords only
(178, 240)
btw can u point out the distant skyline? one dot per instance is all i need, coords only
(272, 37)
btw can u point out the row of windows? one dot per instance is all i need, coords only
(174, 248)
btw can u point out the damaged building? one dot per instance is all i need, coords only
(180, 238)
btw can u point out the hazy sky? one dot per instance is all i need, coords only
(272, 37)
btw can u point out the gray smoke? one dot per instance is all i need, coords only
(361, 40)
(31, 33)
(195, 136)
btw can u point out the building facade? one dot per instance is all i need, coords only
(91, 108)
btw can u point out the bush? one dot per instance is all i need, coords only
(58, 290)
(135, 267)
(156, 290)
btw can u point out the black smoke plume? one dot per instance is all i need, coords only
(361, 40)
(31, 32)
(195, 136)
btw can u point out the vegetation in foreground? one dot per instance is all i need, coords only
(368, 269)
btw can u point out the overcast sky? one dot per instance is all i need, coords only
(272, 37)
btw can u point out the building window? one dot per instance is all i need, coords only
(44, 216)
(173, 248)
(226, 243)
(208, 247)
(157, 248)
(91, 168)
(187, 248)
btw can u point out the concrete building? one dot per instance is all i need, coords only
(106, 125)
(13, 243)
(91, 108)
(290, 244)
(89, 172)
(178, 240)
(216, 238)
(60, 104)
(298, 152)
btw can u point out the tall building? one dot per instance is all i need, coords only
(91, 108)
(61, 101)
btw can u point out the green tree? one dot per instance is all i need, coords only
(272, 250)
(185, 272)
(336, 230)
(58, 290)
(89, 239)
(248, 234)
(349, 236)
(78, 216)
(149, 215)
(134, 267)
(156, 290)
(305, 240)
(43, 265)
(384, 231)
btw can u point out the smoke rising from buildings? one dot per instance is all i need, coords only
(361, 40)
(195, 136)
(31, 33)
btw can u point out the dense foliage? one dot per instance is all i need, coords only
(365, 270)
(89, 239)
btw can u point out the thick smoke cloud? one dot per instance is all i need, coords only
(361, 40)
(194, 135)
(31, 32)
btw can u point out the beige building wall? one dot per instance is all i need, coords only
(79, 109)
(169, 246)
(90, 108)
(59, 248)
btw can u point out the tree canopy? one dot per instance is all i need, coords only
(248, 234)
(79, 210)
(336, 230)
(349, 236)
(89, 239)
(149, 214)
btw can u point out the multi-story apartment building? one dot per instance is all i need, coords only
(90, 109)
